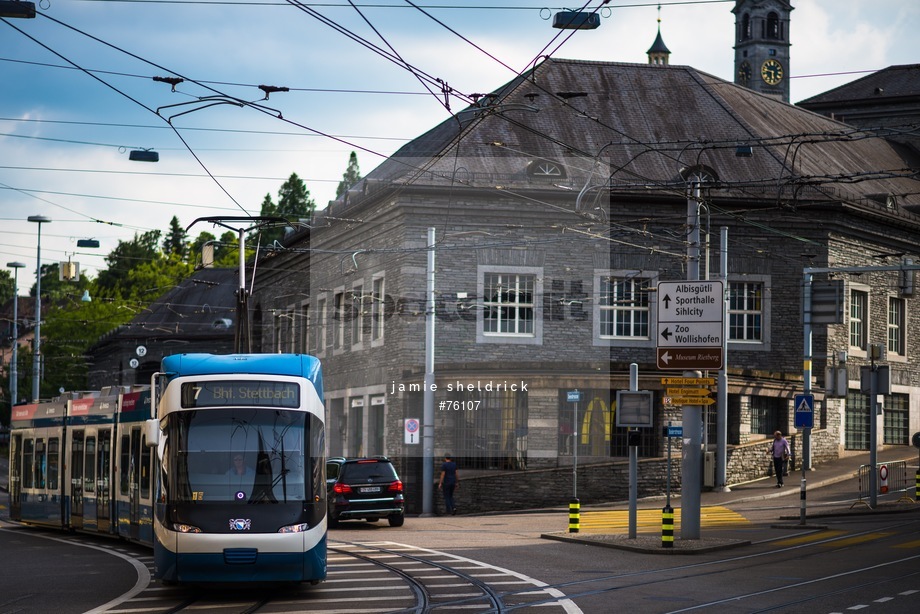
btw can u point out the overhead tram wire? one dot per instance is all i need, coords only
(293, 122)
(124, 94)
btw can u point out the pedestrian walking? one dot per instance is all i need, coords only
(450, 480)
(779, 451)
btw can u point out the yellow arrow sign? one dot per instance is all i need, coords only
(688, 392)
(689, 401)
(688, 381)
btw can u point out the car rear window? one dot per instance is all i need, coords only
(368, 471)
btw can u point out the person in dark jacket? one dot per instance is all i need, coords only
(449, 481)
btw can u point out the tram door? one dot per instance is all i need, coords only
(16, 477)
(89, 481)
(134, 495)
(103, 480)
(76, 479)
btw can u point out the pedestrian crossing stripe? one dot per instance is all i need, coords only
(856, 539)
(913, 544)
(649, 520)
(809, 538)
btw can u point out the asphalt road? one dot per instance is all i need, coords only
(43, 573)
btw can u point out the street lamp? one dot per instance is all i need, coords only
(36, 350)
(14, 362)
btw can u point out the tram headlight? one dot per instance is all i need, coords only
(185, 528)
(294, 528)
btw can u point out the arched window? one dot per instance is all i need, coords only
(773, 26)
(745, 27)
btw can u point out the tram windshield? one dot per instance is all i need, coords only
(243, 455)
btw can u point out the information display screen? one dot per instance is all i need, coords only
(251, 393)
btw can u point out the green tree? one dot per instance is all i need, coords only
(6, 286)
(294, 203)
(175, 241)
(68, 331)
(126, 256)
(351, 176)
(149, 280)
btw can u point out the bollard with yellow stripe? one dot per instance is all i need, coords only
(574, 515)
(917, 492)
(667, 527)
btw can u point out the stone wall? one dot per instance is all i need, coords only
(609, 482)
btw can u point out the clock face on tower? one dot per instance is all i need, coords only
(744, 73)
(772, 72)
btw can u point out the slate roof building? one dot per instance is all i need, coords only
(558, 204)
(198, 315)
(886, 102)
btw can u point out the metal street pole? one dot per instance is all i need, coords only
(14, 358)
(428, 395)
(722, 394)
(633, 461)
(36, 349)
(692, 414)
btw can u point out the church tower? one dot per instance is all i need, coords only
(659, 53)
(762, 46)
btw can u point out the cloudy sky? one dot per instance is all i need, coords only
(78, 93)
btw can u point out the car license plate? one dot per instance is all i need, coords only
(369, 489)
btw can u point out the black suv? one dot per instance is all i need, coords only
(365, 488)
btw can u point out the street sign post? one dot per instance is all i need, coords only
(690, 325)
(804, 411)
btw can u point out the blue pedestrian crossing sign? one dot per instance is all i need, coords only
(804, 411)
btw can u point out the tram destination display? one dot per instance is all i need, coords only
(226, 393)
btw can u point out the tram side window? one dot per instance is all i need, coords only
(28, 455)
(123, 464)
(40, 463)
(145, 469)
(317, 450)
(89, 465)
(54, 446)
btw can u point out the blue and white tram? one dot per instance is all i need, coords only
(226, 481)
(240, 447)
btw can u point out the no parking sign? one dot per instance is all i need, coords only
(412, 430)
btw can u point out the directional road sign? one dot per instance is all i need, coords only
(690, 324)
(689, 401)
(688, 381)
(687, 392)
(804, 411)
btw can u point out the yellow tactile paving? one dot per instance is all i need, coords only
(650, 519)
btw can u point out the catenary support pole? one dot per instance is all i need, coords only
(428, 396)
(690, 485)
(722, 381)
(633, 461)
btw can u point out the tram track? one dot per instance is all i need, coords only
(421, 590)
(761, 563)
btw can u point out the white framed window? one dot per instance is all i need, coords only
(377, 310)
(859, 318)
(897, 311)
(356, 313)
(509, 304)
(304, 328)
(510, 311)
(319, 345)
(338, 320)
(746, 311)
(623, 307)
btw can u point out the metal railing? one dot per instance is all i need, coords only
(891, 477)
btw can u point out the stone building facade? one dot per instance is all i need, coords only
(558, 204)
